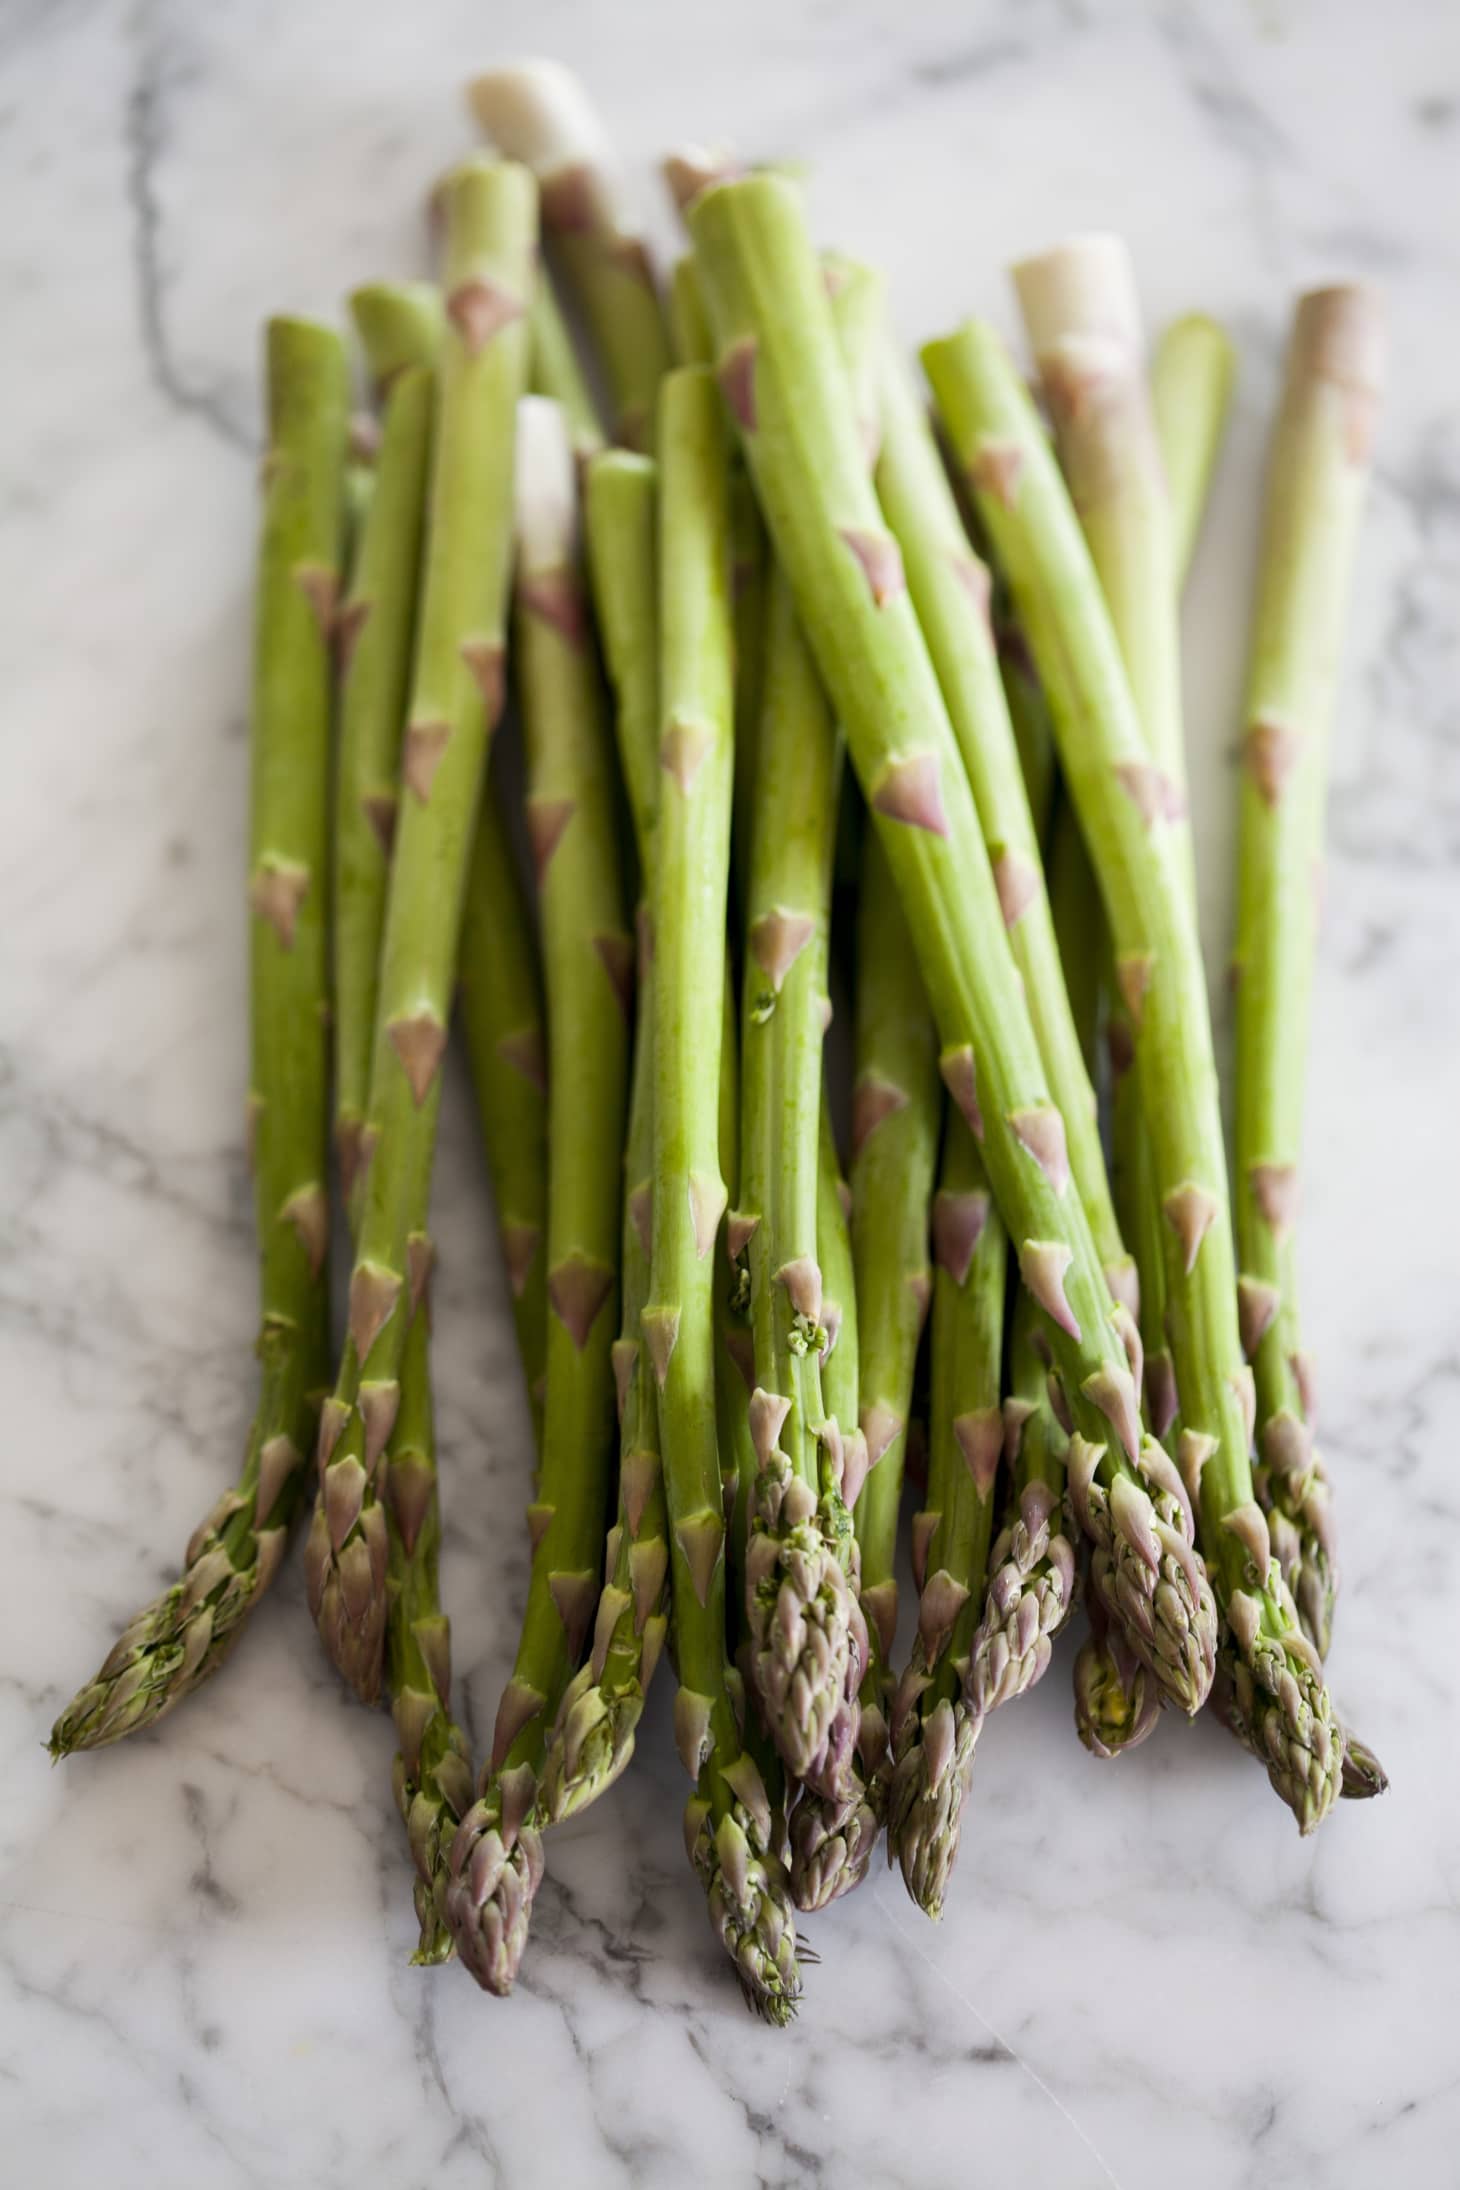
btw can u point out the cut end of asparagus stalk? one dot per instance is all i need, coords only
(546, 491)
(1082, 292)
(399, 323)
(493, 1873)
(539, 113)
(1341, 334)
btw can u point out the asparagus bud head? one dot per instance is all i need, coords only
(1030, 1594)
(1145, 1568)
(747, 1894)
(1117, 1701)
(493, 1873)
(925, 1807)
(1276, 1702)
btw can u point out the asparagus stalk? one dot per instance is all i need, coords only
(896, 1105)
(689, 330)
(555, 371)
(432, 1771)
(496, 1860)
(950, 590)
(490, 220)
(778, 364)
(1192, 374)
(1318, 473)
(1031, 1568)
(593, 1737)
(933, 1728)
(728, 1821)
(808, 1648)
(538, 112)
(499, 1001)
(1123, 797)
(174, 1644)
(400, 329)
(840, 1357)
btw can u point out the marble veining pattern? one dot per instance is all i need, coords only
(1143, 1978)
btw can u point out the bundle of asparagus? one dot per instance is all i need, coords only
(791, 575)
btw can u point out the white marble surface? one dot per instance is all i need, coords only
(1144, 1979)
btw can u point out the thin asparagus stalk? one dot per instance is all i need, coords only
(539, 113)
(950, 590)
(808, 1648)
(896, 1107)
(400, 329)
(496, 1860)
(1031, 1567)
(728, 1820)
(432, 1771)
(689, 330)
(593, 1738)
(1028, 715)
(1192, 374)
(933, 1728)
(1123, 797)
(1318, 475)
(174, 1644)
(555, 370)
(778, 364)
(840, 1359)
(499, 1002)
(490, 225)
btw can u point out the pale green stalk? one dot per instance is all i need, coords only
(1193, 370)
(555, 371)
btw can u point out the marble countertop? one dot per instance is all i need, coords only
(1144, 1977)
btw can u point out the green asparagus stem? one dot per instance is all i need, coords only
(593, 1738)
(689, 330)
(432, 1773)
(555, 371)
(496, 1860)
(1028, 715)
(778, 365)
(174, 1644)
(728, 1821)
(1124, 798)
(1192, 374)
(896, 1107)
(950, 589)
(933, 1729)
(840, 1359)
(1318, 474)
(538, 113)
(499, 1001)
(490, 225)
(400, 328)
(1031, 1568)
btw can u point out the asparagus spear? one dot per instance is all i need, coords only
(950, 588)
(538, 112)
(593, 1737)
(496, 1860)
(1123, 797)
(555, 371)
(499, 1000)
(689, 330)
(841, 1355)
(778, 364)
(1318, 474)
(1116, 1703)
(933, 1727)
(1192, 372)
(174, 1644)
(400, 329)
(896, 1105)
(728, 1821)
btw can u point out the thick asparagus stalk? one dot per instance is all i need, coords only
(400, 330)
(933, 1727)
(950, 590)
(1192, 373)
(778, 364)
(176, 1642)
(555, 371)
(1123, 797)
(496, 1860)
(490, 223)
(593, 1738)
(896, 1106)
(1318, 473)
(728, 1823)
(499, 1002)
(539, 113)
